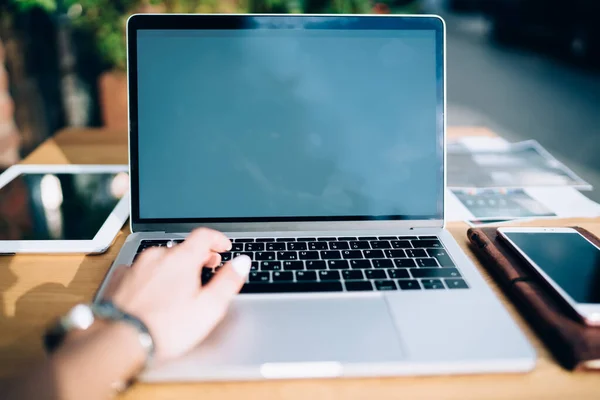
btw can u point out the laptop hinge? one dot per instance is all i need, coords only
(314, 226)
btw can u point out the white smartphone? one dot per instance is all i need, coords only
(567, 261)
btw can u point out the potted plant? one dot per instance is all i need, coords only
(106, 21)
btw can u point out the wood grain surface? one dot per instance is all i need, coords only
(34, 289)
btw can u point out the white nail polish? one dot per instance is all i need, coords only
(241, 265)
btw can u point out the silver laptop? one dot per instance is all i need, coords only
(316, 143)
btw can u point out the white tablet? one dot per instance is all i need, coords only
(62, 208)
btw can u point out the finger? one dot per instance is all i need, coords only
(223, 287)
(203, 239)
(116, 278)
(213, 261)
(150, 255)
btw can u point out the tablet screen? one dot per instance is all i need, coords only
(60, 206)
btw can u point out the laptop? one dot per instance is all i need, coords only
(316, 143)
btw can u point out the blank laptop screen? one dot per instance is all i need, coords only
(259, 125)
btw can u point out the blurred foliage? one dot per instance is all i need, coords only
(25, 5)
(106, 19)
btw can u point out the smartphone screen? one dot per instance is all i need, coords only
(569, 259)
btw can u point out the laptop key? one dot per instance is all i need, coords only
(347, 238)
(297, 246)
(264, 240)
(409, 284)
(270, 266)
(245, 253)
(383, 263)
(275, 246)
(426, 262)
(154, 242)
(395, 253)
(436, 253)
(338, 264)
(360, 264)
(444, 261)
(415, 253)
(367, 238)
(330, 255)
(225, 256)
(375, 274)
(292, 287)
(339, 245)
(283, 276)
(259, 276)
(318, 246)
(237, 247)
(373, 254)
(359, 245)
(255, 266)
(380, 244)
(456, 284)
(293, 265)
(243, 240)
(353, 275)
(434, 273)
(254, 246)
(401, 244)
(432, 284)
(288, 239)
(265, 256)
(349, 254)
(309, 255)
(326, 239)
(306, 276)
(353, 286)
(425, 244)
(398, 273)
(405, 263)
(329, 275)
(388, 237)
(287, 255)
(316, 265)
(385, 285)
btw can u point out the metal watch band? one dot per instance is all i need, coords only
(105, 309)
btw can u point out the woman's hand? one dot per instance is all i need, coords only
(163, 289)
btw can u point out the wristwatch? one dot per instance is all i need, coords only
(82, 316)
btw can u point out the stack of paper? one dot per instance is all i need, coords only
(493, 181)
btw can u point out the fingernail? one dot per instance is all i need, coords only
(242, 265)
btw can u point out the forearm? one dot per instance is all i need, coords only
(85, 366)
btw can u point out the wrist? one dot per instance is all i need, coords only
(76, 335)
(126, 341)
(86, 322)
(120, 355)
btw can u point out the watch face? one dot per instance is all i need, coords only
(80, 317)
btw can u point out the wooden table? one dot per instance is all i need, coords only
(34, 289)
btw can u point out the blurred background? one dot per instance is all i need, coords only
(527, 69)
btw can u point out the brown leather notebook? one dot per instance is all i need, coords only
(575, 345)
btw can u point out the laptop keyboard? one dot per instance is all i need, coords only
(337, 264)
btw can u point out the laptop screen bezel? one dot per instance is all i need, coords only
(284, 21)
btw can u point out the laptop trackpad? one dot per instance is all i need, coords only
(268, 335)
